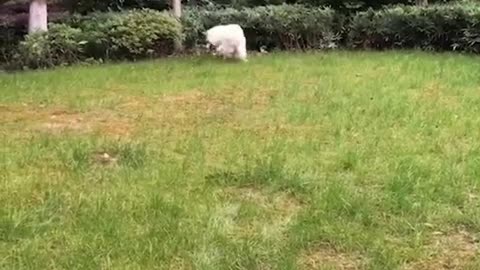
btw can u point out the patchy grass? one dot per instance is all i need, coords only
(291, 161)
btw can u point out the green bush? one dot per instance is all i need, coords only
(86, 6)
(138, 34)
(281, 27)
(359, 5)
(131, 34)
(442, 27)
(108, 36)
(61, 45)
(11, 33)
(251, 3)
(344, 6)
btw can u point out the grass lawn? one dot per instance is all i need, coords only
(344, 160)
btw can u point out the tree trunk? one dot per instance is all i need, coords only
(177, 12)
(177, 8)
(37, 20)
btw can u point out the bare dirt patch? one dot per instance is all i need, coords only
(184, 111)
(324, 256)
(63, 121)
(454, 250)
(59, 120)
(106, 123)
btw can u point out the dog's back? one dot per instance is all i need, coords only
(220, 33)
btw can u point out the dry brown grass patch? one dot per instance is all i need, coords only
(454, 250)
(195, 104)
(322, 257)
(64, 121)
(280, 202)
(58, 120)
(183, 111)
(179, 264)
(279, 210)
(190, 109)
(433, 92)
(107, 123)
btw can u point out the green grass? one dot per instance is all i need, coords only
(346, 160)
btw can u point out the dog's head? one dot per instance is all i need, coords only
(206, 45)
(210, 48)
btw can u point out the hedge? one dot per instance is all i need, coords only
(280, 27)
(442, 27)
(85, 6)
(98, 37)
(147, 33)
(9, 39)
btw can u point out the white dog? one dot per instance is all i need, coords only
(228, 41)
